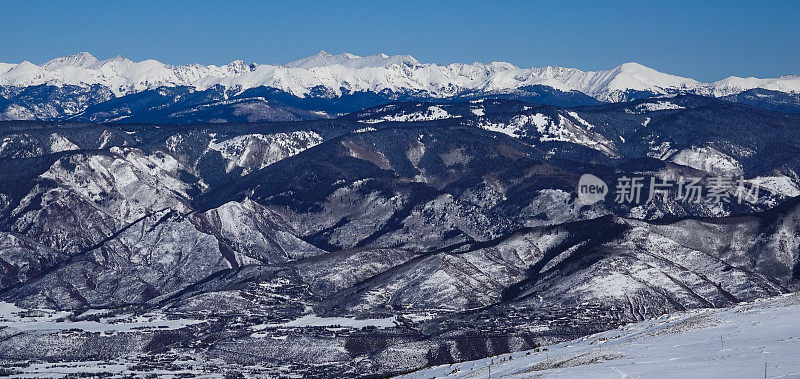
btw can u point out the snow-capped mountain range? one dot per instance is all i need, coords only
(345, 73)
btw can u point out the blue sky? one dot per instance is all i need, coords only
(706, 41)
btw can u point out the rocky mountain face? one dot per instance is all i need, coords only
(82, 88)
(390, 239)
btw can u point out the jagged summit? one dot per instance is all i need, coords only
(322, 59)
(81, 59)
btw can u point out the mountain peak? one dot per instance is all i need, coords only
(81, 59)
(325, 59)
(239, 66)
(611, 85)
(632, 67)
(118, 58)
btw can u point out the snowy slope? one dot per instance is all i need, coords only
(347, 73)
(707, 343)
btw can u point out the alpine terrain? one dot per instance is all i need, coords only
(345, 216)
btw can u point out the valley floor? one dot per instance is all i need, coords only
(703, 343)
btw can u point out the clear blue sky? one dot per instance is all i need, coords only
(705, 41)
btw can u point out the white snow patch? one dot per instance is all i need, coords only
(708, 159)
(779, 184)
(365, 129)
(433, 112)
(657, 106)
(16, 318)
(516, 126)
(61, 143)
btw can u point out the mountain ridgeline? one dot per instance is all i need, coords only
(81, 88)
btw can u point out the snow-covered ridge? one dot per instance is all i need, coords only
(348, 73)
(433, 112)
